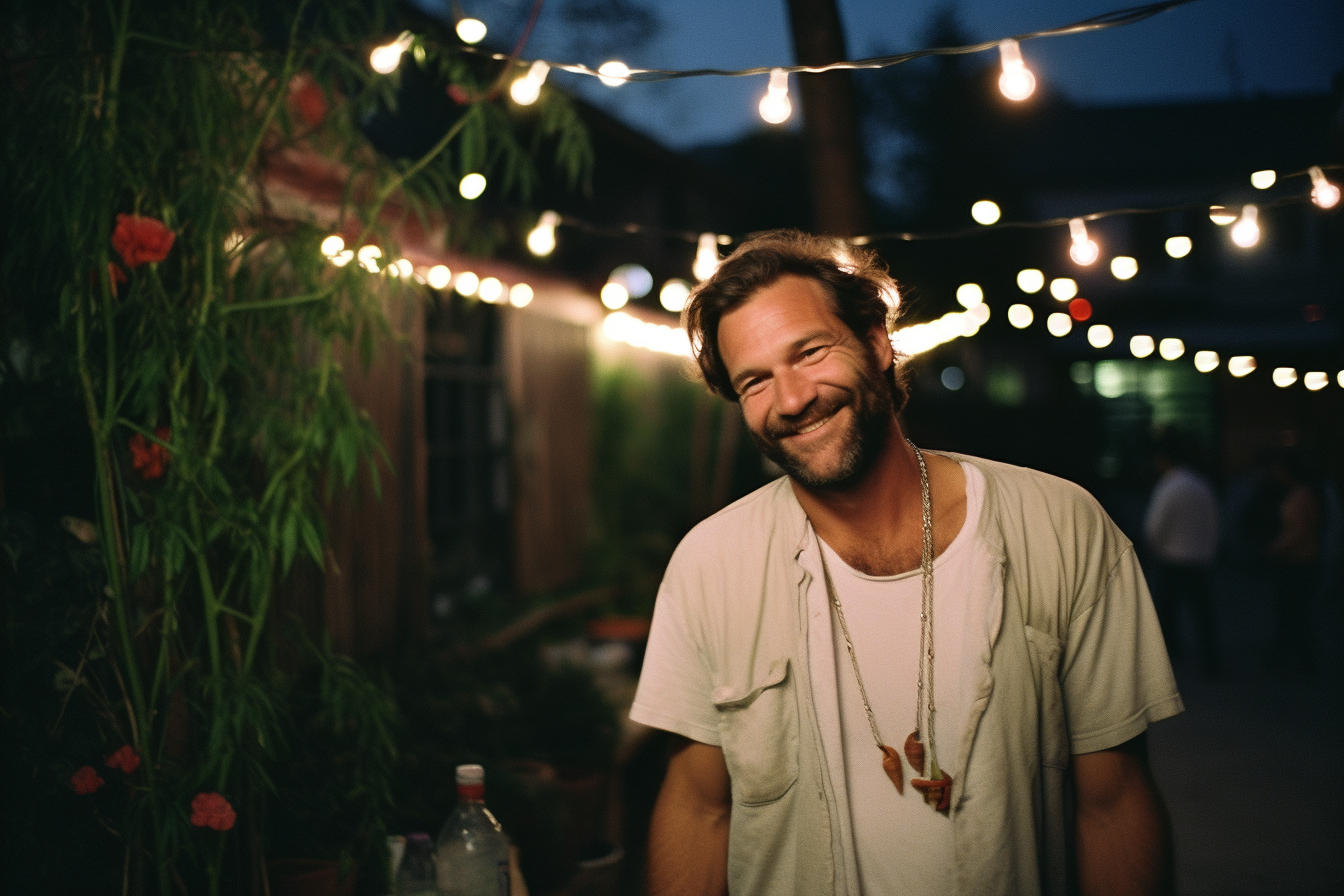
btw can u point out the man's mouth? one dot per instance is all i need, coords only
(814, 425)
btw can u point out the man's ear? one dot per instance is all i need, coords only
(880, 342)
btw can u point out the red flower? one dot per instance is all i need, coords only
(125, 759)
(85, 781)
(210, 810)
(148, 457)
(138, 240)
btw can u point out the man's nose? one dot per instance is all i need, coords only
(794, 391)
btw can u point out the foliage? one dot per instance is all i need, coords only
(152, 284)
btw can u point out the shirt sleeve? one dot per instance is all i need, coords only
(1116, 677)
(674, 684)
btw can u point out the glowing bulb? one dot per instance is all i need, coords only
(472, 186)
(1240, 365)
(1100, 336)
(1080, 309)
(1263, 180)
(439, 276)
(706, 257)
(472, 31)
(1323, 193)
(368, 258)
(1123, 267)
(673, 295)
(1284, 376)
(490, 290)
(332, 245)
(775, 107)
(1171, 348)
(614, 296)
(1020, 316)
(635, 278)
(1316, 380)
(1059, 324)
(1141, 346)
(1246, 232)
(980, 314)
(970, 294)
(1206, 362)
(985, 212)
(1340, 379)
(526, 89)
(1179, 246)
(467, 283)
(1016, 82)
(1063, 288)
(520, 295)
(1084, 251)
(541, 241)
(1221, 215)
(613, 73)
(385, 59)
(343, 258)
(403, 267)
(1030, 280)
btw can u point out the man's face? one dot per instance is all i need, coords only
(812, 393)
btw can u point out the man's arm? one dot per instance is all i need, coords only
(688, 836)
(1124, 836)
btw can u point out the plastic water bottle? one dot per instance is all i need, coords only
(473, 853)
(416, 875)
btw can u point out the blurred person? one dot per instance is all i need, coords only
(801, 632)
(1295, 564)
(1181, 529)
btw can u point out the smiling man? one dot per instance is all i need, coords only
(891, 670)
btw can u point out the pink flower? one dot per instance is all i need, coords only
(210, 810)
(125, 759)
(150, 458)
(138, 240)
(85, 781)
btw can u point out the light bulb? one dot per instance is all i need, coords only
(1206, 361)
(1171, 348)
(706, 257)
(1179, 246)
(1063, 288)
(343, 258)
(1020, 316)
(613, 73)
(1017, 82)
(385, 59)
(541, 241)
(1221, 215)
(472, 186)
(1316, 380)
(634, 277)
(333, 245)
(526, 89)
(471, 31)
(1284, 376)
(467, 283)
(1141, 346)
(403, 267)
(985, 212)
(1100, 336)
(368, 258)
(1263, 180)
(970, 294)
(614, 295)
(1246, 232)
(1059, 324)
(439, 276)
(1084, 251)
(1080, 310)
(520, 295)
(1030, 280)
(490, 290)
(1123, 267)
(673, 295)
(1240, 365)
(1323, 193)
(775, 107)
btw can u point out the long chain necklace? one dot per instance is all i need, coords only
(919, 746)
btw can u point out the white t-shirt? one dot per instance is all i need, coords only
(903, 845)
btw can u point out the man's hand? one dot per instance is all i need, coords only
(688, 836)
(1124, 837)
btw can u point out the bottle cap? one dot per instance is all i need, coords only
(470, 774)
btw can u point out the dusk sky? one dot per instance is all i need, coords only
(1208, 49)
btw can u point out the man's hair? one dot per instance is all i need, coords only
(862, 294)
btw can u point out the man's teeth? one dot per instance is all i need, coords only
(815, 425)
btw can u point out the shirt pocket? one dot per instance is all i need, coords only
(1044, 650)
(758, 729)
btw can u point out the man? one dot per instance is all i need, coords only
(874, 691)
(1181, 528)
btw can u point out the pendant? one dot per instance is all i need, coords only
(937, 792)
(891, 764)
(914, 751)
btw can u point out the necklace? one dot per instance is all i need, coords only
(919, 746)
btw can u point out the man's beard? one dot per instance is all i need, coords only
(861, 444)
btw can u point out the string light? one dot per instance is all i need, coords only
(343, 258)
(1124, 267)
(467, 283)
(368, 258)
(439, 276)
(706, 257)
(674, 294)
(1171, 348)
(1080, 310)
(472, 186)
(1284, 377)
(1323, 193)
(1246, 232)
(527, 89)
(1016, 82)
(1063, 288)
(1030, 280)
(985, 212)
(1084, 251)
(622, 327)
(634, 277)
(1263, 180)
(520, 295)
(969, 295)
(402, 267)
(614, 295)
(613, 73)
(1020, 316)
(1221, 215)
(1100, 335)
(775, 107)
(541, 241)
(1059, 324)
(471, 31)
(1316, 380)
(490, 290)
(1179, 246)
(1141, 346)
(385, 59)
(332, 245)
(1206, 361)
(1240, 365)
